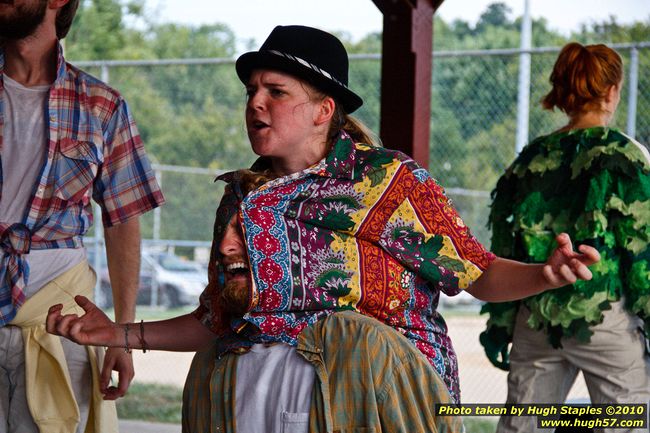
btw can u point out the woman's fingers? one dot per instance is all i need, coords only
(551, 276)
(590, 255)
(564, 242)
(567, 274)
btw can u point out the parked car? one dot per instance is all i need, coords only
(462, 300)
(172, 280)
(180, 282)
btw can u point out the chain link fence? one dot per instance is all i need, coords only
(190, 114)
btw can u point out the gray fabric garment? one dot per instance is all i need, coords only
(273, 391)
(14, 412)
(614, 364)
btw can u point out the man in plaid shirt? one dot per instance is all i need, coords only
(64, 137)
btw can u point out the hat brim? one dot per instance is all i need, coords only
(248, 62)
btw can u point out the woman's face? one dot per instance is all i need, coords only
(283, 121)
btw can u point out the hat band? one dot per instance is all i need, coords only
(311, 66)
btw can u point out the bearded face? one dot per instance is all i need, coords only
(236, 291)
(20, 18)
(236, 297)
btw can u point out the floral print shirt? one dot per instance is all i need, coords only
(366, 229)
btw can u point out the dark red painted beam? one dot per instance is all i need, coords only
(406, 75)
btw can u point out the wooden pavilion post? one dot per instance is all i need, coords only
(407, 46)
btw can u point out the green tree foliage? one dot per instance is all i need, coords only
(100, 30)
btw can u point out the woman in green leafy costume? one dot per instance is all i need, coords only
(592, 182)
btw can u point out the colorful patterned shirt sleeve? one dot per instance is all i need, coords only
(426, 234)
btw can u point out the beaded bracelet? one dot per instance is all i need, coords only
(143, 343)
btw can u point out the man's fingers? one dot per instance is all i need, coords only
(53, 315)
(115, 392)
(105, 378)
(123, 386)
(75, 331)
(63, 324)
(84, 303)
(111, 393)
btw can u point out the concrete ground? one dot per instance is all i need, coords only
(129, 426)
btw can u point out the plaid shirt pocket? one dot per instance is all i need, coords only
(74, 170)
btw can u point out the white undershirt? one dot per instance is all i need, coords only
(24, 146)
(273, 391)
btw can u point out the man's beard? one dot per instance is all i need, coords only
(23, 22)
(235, 296)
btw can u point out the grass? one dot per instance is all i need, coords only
(151, 402)
(162, 403)
(479, 425)
(153, 313)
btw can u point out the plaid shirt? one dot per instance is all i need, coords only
(93, 150)
(369, 378)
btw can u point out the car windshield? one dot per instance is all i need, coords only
(174, 263)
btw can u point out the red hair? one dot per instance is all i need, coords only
(582, 76)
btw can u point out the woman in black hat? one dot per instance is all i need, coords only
(341, 227)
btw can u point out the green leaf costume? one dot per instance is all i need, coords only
(593, 184)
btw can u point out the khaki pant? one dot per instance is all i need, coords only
(614, 364)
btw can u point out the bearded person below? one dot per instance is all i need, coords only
(66, 138)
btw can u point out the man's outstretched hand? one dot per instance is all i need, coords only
(95, 328)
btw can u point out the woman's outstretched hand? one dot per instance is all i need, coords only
(565, 266)
(93, 328)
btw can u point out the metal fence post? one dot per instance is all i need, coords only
(633, 89)
(523, 96)
(156, 237)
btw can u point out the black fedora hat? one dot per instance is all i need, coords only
(307, 53)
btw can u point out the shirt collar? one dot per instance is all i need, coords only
(339, 162)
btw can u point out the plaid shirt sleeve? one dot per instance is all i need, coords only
(126, 185)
